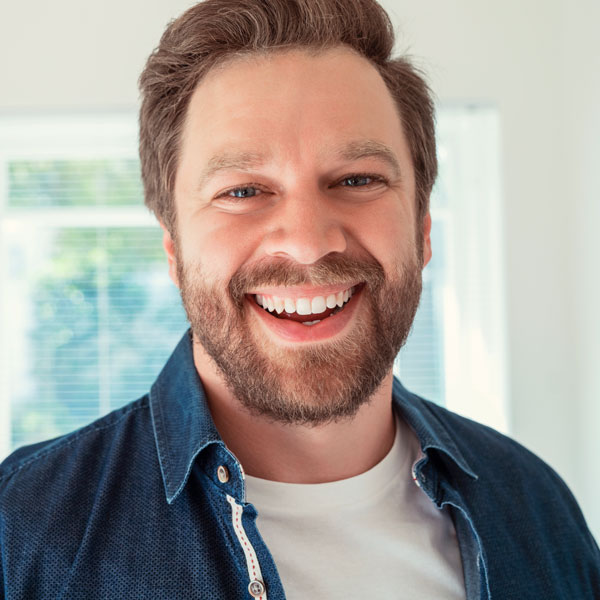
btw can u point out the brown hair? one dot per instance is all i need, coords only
(214, 31)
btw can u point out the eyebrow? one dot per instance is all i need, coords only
(230, 160)
(370, 149)
(243, 160)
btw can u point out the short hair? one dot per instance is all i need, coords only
(214, 31)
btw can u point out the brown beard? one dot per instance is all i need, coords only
(318, 383)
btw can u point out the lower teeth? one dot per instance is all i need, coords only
(310, 322)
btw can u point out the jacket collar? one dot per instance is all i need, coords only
(181, 419)
(433, 432)
(183, 426)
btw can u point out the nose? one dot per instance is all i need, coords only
(305, 228)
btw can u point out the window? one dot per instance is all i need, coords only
(456, 354)
(88, 315)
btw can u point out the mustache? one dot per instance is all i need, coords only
(330, 269)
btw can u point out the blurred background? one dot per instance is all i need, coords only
(508, 331)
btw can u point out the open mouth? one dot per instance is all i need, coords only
(307, 311)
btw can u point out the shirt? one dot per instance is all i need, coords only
(400, 545)
(148, 502)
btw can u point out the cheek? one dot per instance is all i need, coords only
(218, 248)
(388, 233)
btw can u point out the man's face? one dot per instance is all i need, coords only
(295, 194)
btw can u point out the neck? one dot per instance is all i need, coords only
(299, 453)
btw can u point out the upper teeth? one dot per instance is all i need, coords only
(304, 306)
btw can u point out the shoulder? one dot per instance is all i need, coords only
(498, 460)
(495, 455)
(489, 466)
(483, 450)
(525, 516)
(500, 480)
(68, 456)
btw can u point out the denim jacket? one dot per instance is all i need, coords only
(148, 503)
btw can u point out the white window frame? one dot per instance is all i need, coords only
(475, 353)
(59, 137)
(475, 377)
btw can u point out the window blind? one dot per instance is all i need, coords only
(88, 315)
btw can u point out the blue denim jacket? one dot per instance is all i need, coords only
(136, 506)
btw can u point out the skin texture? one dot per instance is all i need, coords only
(303, 225)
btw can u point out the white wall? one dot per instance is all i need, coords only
(536, 60)
(581, 92)
(539, 63)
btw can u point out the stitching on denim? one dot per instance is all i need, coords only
(173, 486)
(77, 435)
(252, 563)
(160, 437)
(186, 475)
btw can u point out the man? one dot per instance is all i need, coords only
(290, 161)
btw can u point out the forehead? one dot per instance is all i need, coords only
(293, 105)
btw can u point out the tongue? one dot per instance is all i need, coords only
(301, 318)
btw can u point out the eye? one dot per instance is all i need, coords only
(242, 199)
(361, 180)
(245, 191)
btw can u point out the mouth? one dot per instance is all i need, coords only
(304, 316)
(309, 310)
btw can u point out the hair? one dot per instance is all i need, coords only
(215, 31)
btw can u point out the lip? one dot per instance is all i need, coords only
(292, 331)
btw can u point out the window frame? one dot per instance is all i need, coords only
(473, 226)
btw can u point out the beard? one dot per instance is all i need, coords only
(312, 384)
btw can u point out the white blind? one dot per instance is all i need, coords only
(88, 315)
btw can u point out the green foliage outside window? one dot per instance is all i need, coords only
(104, 315)
(75, 183)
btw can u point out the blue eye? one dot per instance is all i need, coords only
(361, 180)
(357, 181)
(243, 192)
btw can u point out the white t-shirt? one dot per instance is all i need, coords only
(376, 535)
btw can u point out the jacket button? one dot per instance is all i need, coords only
(256, 588)
(223, 474)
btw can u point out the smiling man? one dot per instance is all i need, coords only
(299, 256)
(289, 159)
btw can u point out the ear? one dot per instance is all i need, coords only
(169, 246)
(426, 238)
